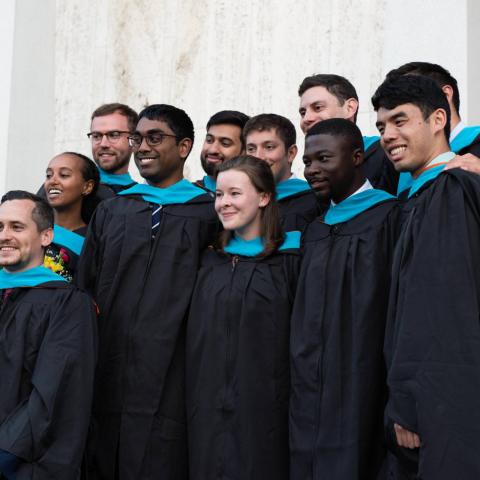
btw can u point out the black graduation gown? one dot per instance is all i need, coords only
(432, 343)
(379, 169)
(143, 288)
(47, 363)
(238, 366)
(298, 210)
(338, 325)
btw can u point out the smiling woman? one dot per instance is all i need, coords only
(70, 186)
(238, 378)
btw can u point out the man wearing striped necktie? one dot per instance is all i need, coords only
(140, 260)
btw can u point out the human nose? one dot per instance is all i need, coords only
(144, 145)
(213, 147)
(104, 141)
(5, 233)
(389, 133)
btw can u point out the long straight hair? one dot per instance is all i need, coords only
(261, 177)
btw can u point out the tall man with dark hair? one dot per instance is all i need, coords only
(110, 126)
(48, 350)
(223, 141)
(464, 141)
(338, 321)
(325, 96)
(272, 138)
(139, 259)
(431, 343)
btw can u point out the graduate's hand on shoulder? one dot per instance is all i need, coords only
(467, 162)
(406, 438)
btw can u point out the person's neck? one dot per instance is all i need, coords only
(69, 219)
(443, 148)
(118, 171)
(357, 183)
(285, 177)
(248, 233)
(19, 268)
(454, 119)
(166, 182)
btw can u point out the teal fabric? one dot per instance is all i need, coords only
(254, 247)
(209, 183)
(122, 179)
(291, 187)
(66, 238)
(180, 192)
(355, 205)
(425, 177)
(406, 180)
(28, 278)
(464, 138)
(369, 141)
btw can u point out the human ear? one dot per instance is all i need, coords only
(351, 108)
(184, 147)
(358, 157)
(88, 187)
(264, 199)
(292, 153)
(46, 237)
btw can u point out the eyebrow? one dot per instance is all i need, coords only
(393, 117)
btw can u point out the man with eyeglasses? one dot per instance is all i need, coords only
(139, 261)
(110, 126)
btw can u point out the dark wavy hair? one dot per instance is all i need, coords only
(260, 174)
(89, 172)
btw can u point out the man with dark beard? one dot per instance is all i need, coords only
(223, 141)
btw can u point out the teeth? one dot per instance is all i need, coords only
(398, 150)
(8, 249)
(54, 191)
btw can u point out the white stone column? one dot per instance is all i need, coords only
(7, 30)
(31, 125)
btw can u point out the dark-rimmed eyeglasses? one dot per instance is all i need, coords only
(152, 138)
(113, 137)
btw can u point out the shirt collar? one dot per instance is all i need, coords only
(366, 186)
(460, 126)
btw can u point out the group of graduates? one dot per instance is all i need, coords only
(250, 325)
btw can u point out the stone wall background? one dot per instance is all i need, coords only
(205, 56)
(63, 58)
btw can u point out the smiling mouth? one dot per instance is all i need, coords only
(214, 160)
(397, 150)
(7, 248)
(53, 192)
(145, 161)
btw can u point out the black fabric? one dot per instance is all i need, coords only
(473, 148)
(299, 210)
(143, 288)
(338, 325)
(433, 338)
(238, 367)
(379, 169)
(47, 361)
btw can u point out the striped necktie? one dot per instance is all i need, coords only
(155, 218)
